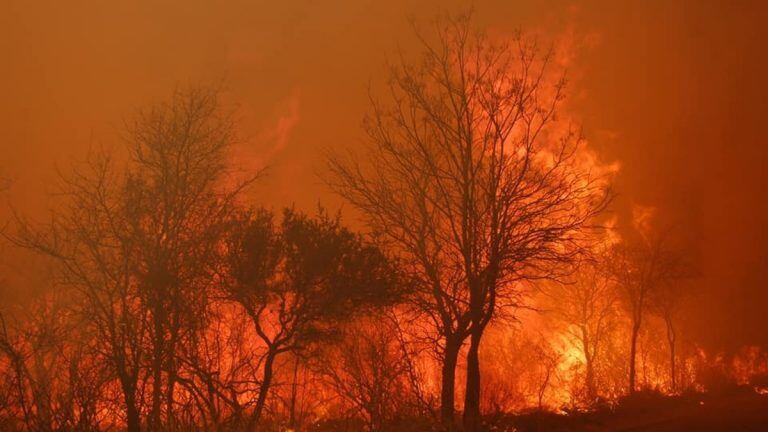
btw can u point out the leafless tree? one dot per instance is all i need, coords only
(137, 242)
(414, 353)
(215, 368)
(181, 209)
(642, 266)
(547, 360)
(55, 384)
(302, 394)
(524, 371)
(469, 183)
(585, 304)
(368, 370)
(668, 300)
(88, 238)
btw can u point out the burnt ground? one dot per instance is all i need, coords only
(736, 410)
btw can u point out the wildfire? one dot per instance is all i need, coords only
(486, 278)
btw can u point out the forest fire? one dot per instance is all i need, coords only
(488, 251)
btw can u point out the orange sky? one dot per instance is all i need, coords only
(674, 91)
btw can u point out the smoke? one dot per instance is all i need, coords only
(643, 219)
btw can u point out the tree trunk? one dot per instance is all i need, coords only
(133, 422)
(633, 356)
(172, 376)
(591, 391)
(128, 384)
(472, 393)
(448, 383)
(543, 389)
(671, 338)
(157, 385)
(266, 382)
(170, 420)
(589, 364)
(158, 353)
(294, 392)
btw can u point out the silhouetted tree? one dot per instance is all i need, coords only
(90, 240)
(55, 382)
(368, 370)
(215, 364)
(642, 266)
(138, 242)
(585, 304)
(298, 279)
(468, 183)
(668, 299)
(180, 209)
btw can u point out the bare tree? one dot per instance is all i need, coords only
(55, 383)
(215, 368)
(468, 183)
(585, 304)
(88, 238)
(368, 370)
(302, 395)
(525, 370)
(642, 266)
(669, 298)
(181, 208)
(547, 360)
(138, 242)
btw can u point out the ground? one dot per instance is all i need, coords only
(734, 409)
(737, 410)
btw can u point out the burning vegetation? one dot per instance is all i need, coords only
(487, 278)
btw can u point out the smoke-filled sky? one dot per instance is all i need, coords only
(674, 91)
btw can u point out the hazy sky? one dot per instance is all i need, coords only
(674, 91)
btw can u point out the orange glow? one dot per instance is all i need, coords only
(604, 254)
